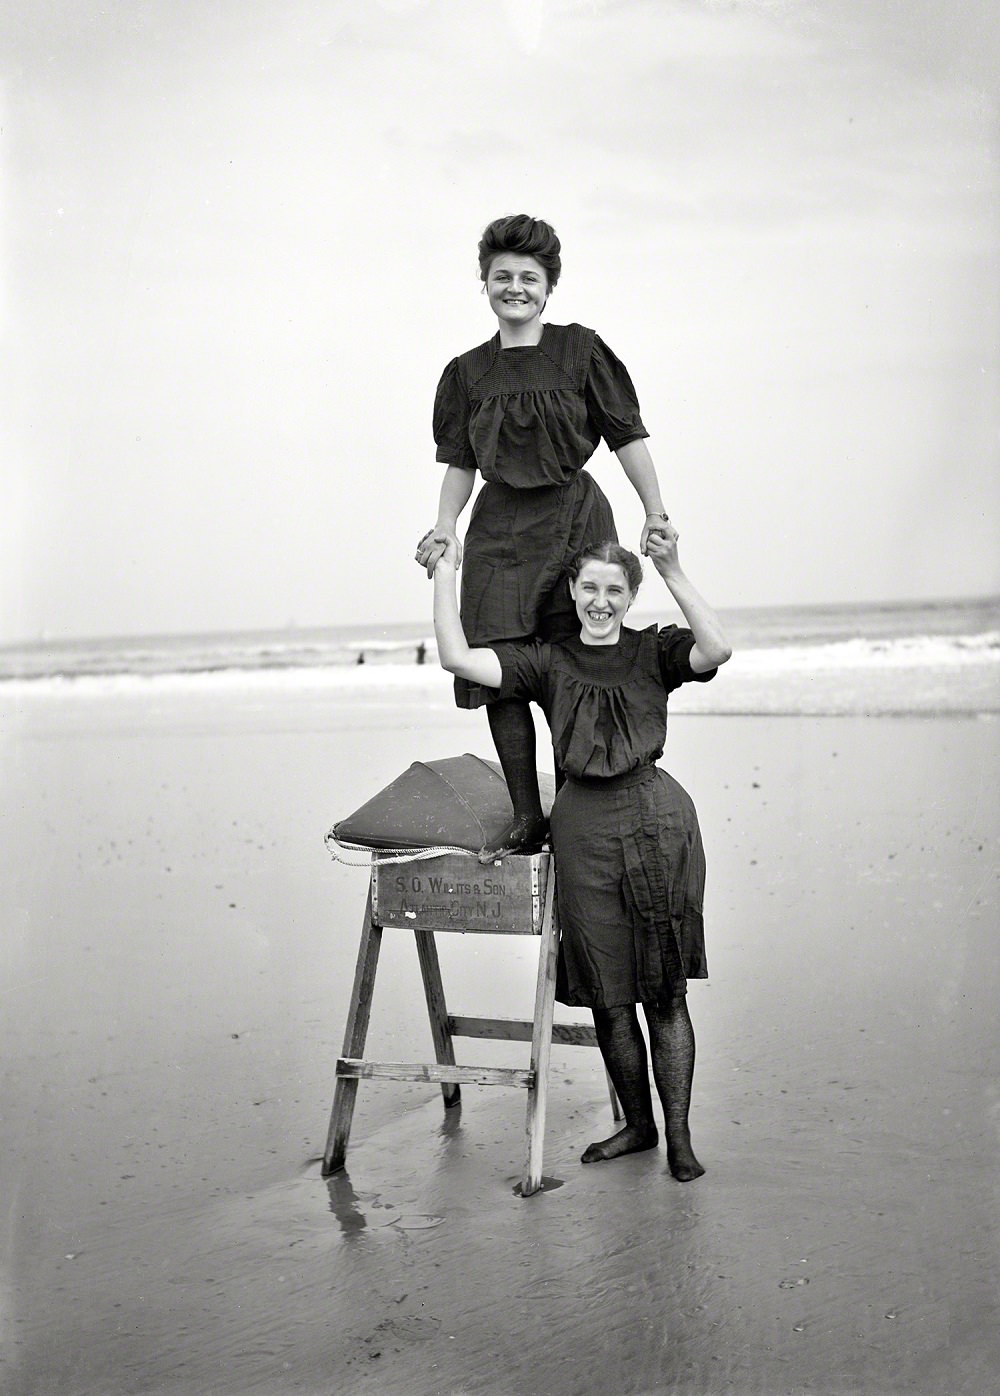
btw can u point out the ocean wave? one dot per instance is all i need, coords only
(911, 651)
(320, 678)
(926, 652)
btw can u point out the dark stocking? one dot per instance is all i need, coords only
(624, 1051)
(513, 730)
(671, 1041)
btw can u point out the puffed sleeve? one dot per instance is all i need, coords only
(674, 644)
(612, 405)
(525, 666)
(451, 420)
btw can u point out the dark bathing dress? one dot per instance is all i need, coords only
(529, 418)
(625, 833)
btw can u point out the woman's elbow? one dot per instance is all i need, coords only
(717, 655)
(454, 663)
(449, 662)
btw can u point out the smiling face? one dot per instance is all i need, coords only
(602, 596)
(517, 287)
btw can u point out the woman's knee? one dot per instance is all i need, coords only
(611, 1017)
(666, 1007)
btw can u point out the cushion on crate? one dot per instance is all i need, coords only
(457, 802)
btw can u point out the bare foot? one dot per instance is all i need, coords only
(631, 1140)
(524, 834)
(680, 1157)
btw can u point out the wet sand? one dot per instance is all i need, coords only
(176, 959)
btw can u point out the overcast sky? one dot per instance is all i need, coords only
(239, 246)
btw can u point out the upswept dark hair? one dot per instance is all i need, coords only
(519, 232)
(609, 551)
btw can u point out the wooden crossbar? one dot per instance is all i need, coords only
(520, 1030)
(435, 1074)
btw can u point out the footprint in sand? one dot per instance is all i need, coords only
(418, 1221)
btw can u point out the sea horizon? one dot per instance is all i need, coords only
(973, 619)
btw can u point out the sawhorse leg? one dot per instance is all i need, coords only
(541, 1041)
(354, 1042)
(430, 969)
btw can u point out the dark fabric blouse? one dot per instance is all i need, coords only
(534, 415)
(606, 705)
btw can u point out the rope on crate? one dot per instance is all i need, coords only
(382, 857)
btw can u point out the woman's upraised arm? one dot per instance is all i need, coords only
(711, 648)
(479, 665)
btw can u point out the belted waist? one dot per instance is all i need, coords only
(636, 776)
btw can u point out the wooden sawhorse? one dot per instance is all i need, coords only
(513, 896)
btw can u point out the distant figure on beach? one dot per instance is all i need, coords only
(631, 868)
(421, 652)
(528, 409)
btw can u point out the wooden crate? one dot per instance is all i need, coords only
(452, 893)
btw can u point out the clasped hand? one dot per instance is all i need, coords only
(661, 547)
(655, 524)
(438, 543)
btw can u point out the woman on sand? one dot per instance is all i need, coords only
(625, 834)
(527, 409)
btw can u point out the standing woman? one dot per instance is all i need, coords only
(527, 409)
(625, 834)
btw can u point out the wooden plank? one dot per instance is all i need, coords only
(520, 1030)
(437, 1012)
(355, 1034)
(434, 1073)
(453, 893)
(541, 1042)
